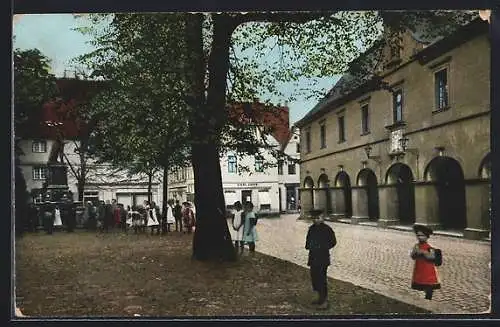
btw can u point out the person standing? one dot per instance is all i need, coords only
(48, 218)
(237, 224)
(108, 216)
(425, 277)
(169, 218)
(188, 217)
(249, 228)
(151, 218)
(319, 240)
(57, 217)
(178, 216)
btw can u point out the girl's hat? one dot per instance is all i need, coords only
(424, 229)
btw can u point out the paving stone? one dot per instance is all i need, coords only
(378, 259)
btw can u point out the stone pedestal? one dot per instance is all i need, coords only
(337, 199)
(359, 205)
(478, 210)
(388, 204)
(57, 174)
(427, 205)
(306, 202)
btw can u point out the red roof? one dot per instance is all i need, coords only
(61, 115)
(274, 117)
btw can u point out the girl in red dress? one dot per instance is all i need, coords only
(425, 276)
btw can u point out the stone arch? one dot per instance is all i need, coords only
(448, 177)
(368, 180)
(322, 195)
(323, 181)
(400, 177)
(343, 182)
(485, 167)
(308, 182)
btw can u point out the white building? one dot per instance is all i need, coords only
(103, 182)
(271, 190)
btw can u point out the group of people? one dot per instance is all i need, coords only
(106, 216)
(244, 222)
(321, 239)
(140, 217)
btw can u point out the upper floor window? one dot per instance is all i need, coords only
(231, 164)
(341, 122)
(441, 88)
(291, 168)
(308, 141)
(397, 105)
(259, 162)
(322, 132)
(280, 167)
(39, 173)
(298, 148)
(39, 146)
(365, 119)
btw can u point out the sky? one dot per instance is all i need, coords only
(52, 34)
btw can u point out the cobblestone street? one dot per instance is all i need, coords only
(378, 259)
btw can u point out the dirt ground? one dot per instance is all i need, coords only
(93, 274)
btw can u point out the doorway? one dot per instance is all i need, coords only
(343, 181)
(368, 180)
(400, 176)
(246, 196)
(449, 181)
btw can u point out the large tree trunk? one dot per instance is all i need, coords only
(80, 188)
(212, 240)
(150, 186)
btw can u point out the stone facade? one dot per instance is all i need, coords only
(428, 163)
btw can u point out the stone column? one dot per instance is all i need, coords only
(389, 205)
(337, 199)
(478, 204)
(320, 199)
(427, 205)
(359, 205)
(306, 202)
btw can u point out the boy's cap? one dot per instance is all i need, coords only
(424, 229)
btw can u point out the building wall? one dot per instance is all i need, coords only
(463, 130)
(181, 183)
(104, 179)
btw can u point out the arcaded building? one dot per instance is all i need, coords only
(407, 140)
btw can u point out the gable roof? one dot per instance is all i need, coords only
(361, 71)
(63, 110)
(276, 118)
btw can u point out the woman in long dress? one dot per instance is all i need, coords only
(152, 219)
(249, 231)
(169, 215)
(57, 217)
(237, 224)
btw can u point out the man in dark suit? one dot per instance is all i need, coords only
(320, 239)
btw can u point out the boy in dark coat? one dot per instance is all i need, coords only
(320, 239)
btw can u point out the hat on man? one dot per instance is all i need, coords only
(424, 229)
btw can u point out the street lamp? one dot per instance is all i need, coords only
(368, 150)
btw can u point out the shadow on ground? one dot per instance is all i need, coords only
(86, 274)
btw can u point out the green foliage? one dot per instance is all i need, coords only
(144, 58)
(141, 114)
(33, 84)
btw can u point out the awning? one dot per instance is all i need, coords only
(264, 197)
(230, 198)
